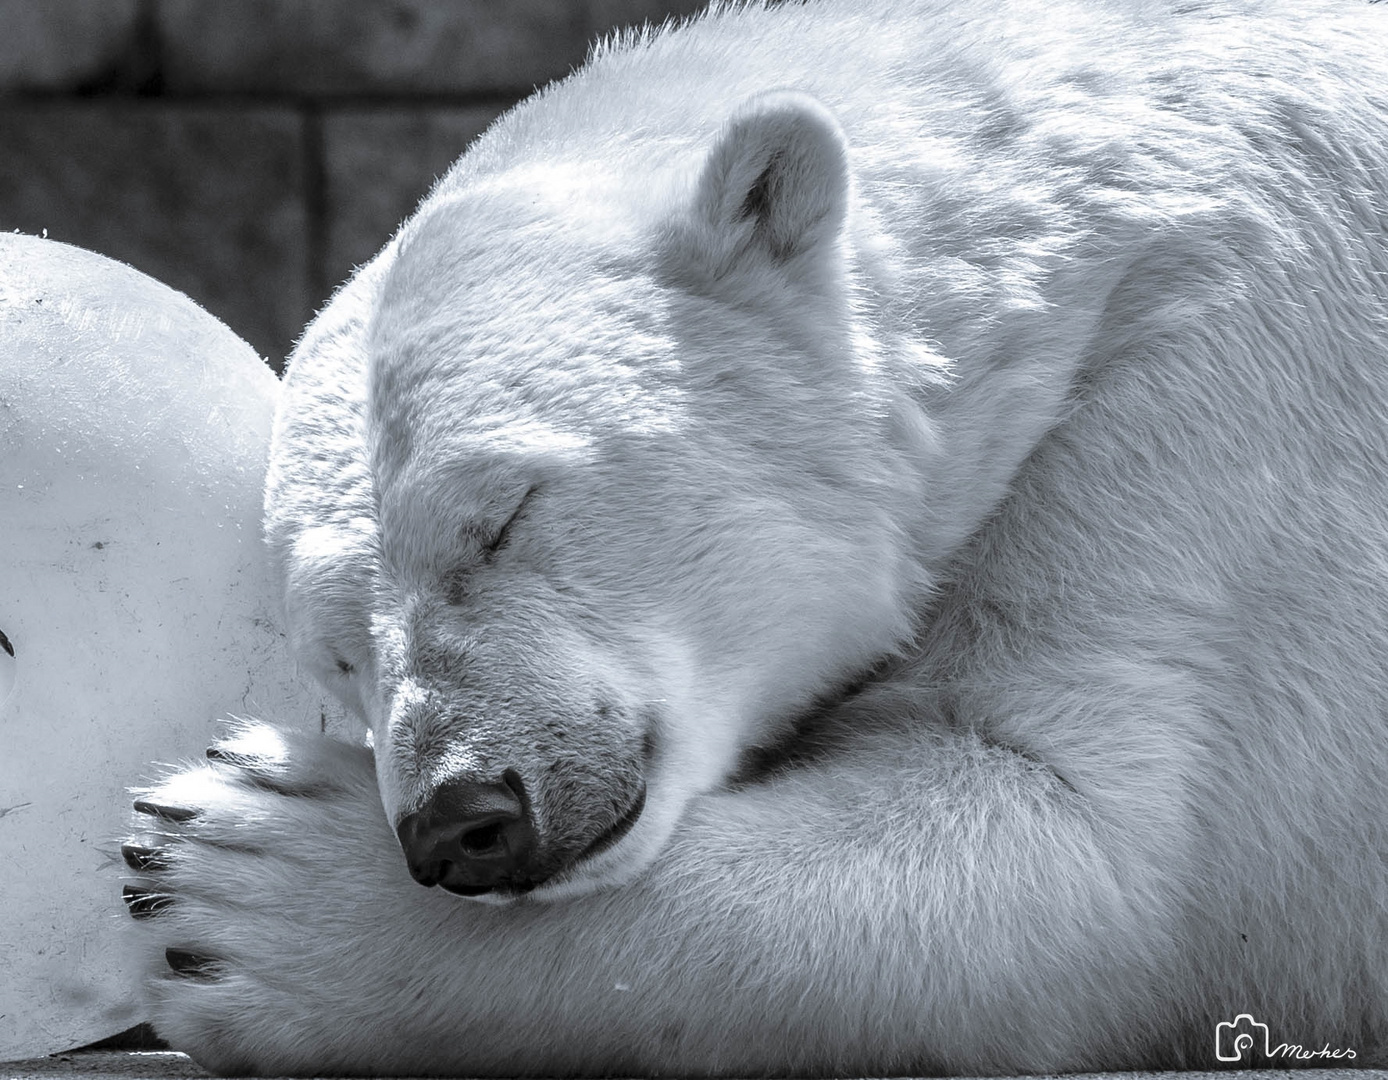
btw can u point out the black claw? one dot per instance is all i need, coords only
(231, 757)
(144, 903)
(167, 813)
(143, 859)
(191, 965)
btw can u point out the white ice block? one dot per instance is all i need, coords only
(134, 595)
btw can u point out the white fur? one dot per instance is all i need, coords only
(1032, 358)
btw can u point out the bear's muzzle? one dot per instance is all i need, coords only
(474, 837)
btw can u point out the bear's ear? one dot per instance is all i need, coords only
(776, 180)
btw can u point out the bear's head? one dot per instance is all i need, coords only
(591, 483)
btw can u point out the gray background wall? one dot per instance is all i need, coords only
(251, 152)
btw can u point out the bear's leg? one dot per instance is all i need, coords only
(923, 900)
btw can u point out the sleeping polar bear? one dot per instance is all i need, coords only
(860, 534)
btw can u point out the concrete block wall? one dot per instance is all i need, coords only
(251, 152)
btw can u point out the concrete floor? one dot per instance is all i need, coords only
(81, 1064)
(166, 1065)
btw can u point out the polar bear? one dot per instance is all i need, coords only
(859, 533)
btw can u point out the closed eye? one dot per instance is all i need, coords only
(503, 536)
(455, 583)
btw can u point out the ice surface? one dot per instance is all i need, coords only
(134, 594)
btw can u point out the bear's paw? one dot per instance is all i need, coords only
(261, 882)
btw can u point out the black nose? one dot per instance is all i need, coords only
(472, 836)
